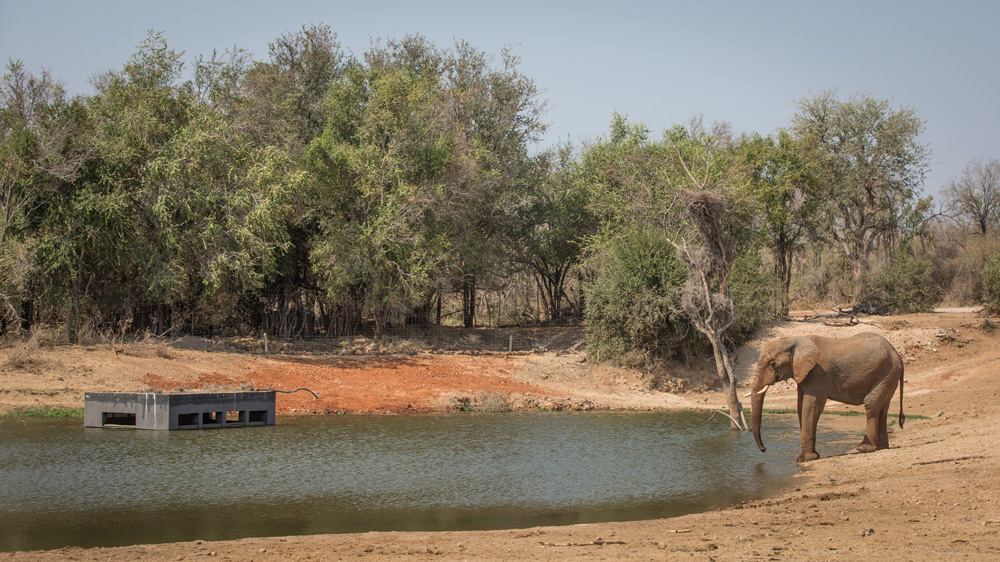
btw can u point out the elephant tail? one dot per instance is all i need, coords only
(902, 417)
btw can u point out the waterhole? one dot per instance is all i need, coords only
(66, 485)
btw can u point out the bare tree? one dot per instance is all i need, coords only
(975, 197)
(708, 251)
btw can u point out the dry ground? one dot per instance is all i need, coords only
(933, 495)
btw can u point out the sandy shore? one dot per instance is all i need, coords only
(934, 495)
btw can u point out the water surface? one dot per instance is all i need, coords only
(68, 485)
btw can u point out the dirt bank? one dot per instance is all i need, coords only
(933, 495)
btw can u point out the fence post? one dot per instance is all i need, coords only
(510, 344)
(265, 343)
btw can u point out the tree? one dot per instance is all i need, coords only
(706, 234)
(496, 110)
(380, 164)
(974, 199)
(873, 165)
(281, 100)
(100, 240)
(783, 180)
(546, 227)
(217, 206)
(685, 187)
(634, 312)
(40, 150)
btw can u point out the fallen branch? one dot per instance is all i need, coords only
(296, 390)
(677, 531)
(735, 422)
(969, 458)
(852, 321)
(598, 542)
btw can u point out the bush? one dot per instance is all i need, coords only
(823, 276)
(755, 293)
(991, 284)
(634, 314)
(907, 283)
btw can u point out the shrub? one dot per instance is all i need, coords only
(634, 313)
(991, 284)
(755, 292)
(907, 282)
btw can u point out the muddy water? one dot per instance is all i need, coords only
(63, 484)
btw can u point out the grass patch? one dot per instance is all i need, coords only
(494, 402)
(836, 413)
(44, 412)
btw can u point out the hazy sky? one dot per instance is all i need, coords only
(746, 62)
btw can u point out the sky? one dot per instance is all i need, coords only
(659, 62)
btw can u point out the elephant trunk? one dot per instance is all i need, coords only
(758, 391)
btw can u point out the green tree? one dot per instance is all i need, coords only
(217, 207)
(873, 165)
(281, 100)
(100, 237)
(783, 180)
(690, 188)
(421, 152)
(40, 150)
(496, 112)
(380, 163)
(545, 228)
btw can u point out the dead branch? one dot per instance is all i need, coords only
(955, 459)
(296, 390)
(731, 418)
(597, 542)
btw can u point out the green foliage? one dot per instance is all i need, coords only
(755, 292)
(872, 164)
(44, 412)
(545, 225)
(783, 182)
(991, 284)
(634, 314)
(908, 283)
(316, 187)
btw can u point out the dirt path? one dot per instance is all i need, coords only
(933, 495)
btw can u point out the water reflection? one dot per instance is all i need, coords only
(67, 485)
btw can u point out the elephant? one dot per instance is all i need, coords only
(860, 369)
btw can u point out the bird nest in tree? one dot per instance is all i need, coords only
(706, 211)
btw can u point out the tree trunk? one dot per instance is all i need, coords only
(469, 301)
(437, 320)
(724, 369)
(73, 322)
(783, 270)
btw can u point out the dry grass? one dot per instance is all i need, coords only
(26, 353)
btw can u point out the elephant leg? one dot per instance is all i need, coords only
(810, 407)
(876, 432)
(876, 414)
(883, 428)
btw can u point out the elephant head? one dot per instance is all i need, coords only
(779, 360)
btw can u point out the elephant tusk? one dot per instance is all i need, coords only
(747, 395)
(763, 390)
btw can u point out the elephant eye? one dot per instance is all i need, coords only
(770, 363)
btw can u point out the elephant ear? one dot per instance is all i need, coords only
(805, 354)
